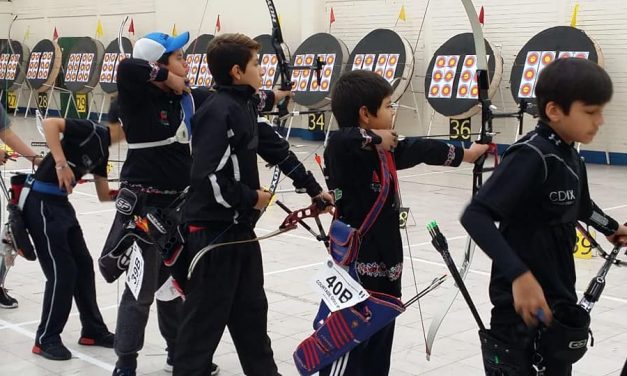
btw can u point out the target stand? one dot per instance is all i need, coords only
(109, 71)
(306, 67)
(554, 43)
(451, 84)
(82, 72)
(313, 87)
(44, 65)
(12, 60)
(389, 55)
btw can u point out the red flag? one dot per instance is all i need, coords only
(218, 26)
(55, 35)
(481, 16)
(331, 17)
(131, 27)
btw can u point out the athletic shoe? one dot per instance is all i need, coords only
(52, 351)
(102, 341)
(7, 301)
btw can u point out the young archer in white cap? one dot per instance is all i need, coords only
(153, 111)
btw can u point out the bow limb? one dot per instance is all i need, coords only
(26, 81)
(282, 62)
(478, 170)
(289, 223)
(284, 75)
(120, 32)
(9, 35)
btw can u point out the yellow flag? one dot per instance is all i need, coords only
(402, 16)
(99, 30)
(27, 34)
(573, 18)
(174, 33)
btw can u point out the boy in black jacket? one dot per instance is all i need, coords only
(538, 194)
(57, 235)
(225, 200)
(152, 90)
(362, 105)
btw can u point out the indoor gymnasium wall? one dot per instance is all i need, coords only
(508, 26)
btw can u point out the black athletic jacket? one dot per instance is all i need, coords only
(537, 194)
(354, 175)
(151, 114)
(225, 176)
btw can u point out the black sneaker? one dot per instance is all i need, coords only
(102, 341)
(53, 351)
(7, 301)
(169, 367)
(123, 372)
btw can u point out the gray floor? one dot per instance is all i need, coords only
(291, 260)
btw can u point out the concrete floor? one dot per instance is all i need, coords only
(290, 262)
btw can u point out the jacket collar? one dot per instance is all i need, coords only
(545, 130)
(244, 91)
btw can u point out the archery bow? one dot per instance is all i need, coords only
(284, 70)
(282, 65)
(286, 84)
(289, 223)
(597, 284)
(478, 170)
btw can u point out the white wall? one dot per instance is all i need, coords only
(509, 25)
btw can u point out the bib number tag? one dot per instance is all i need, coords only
(135, 272)
(337, 288)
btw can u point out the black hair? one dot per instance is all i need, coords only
(356, 89)
(164, 58)
(226, 51)
(568, 80)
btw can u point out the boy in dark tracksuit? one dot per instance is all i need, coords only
(151, 88)
(537, 194)
(362, 106)
(57, 235)
(225, 200)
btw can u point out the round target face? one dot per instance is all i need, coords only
(387, 54)
(269, 61)
(196, 57)
(451, 82)
(112, 58)
(83, 67)
(334, 53)
(44, 65)
(13, 60)
(558, 42)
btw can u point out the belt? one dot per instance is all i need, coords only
(48, 188)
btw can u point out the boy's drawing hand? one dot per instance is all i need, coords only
(529, 300)
(389, 138)
(178, 84)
